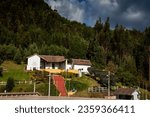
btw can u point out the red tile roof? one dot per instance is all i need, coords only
(81, 62)
(50, 58)
(124, 91)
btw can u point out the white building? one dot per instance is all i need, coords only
(38, 62)
(45, 62)
(81, 64)
(127, 94)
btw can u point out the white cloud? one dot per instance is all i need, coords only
(104, 4)
(70, 9)
(85, 10)
(133, 14)
(108, 3)
(125, 12)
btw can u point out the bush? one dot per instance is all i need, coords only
(23, 88)
(2, 88)
(68, 75)
(1, 61)
(10, 84)
(42, 88)
(1, 72)
(71, 85)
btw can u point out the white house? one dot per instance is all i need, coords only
(45, 62)
(57, 62)
(81, 64)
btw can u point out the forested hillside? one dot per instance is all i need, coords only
(31, 26)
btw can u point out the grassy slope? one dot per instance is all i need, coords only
(42, 88)
(81, 85)
(13, 70)
(18, 73)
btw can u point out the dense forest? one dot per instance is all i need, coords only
(31, 26)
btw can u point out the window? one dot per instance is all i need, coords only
(53, 65)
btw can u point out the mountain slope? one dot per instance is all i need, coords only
(29, 24)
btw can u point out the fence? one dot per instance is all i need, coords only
(18, 82)
(2, 83)
(97, 89)
(20, 94)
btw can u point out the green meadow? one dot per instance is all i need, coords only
(11, 69)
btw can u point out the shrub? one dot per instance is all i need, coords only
(23, 88)
(10, 84)
(1, 72)
(42, 88)
(2, 88)
(71, 85)
(68, 75)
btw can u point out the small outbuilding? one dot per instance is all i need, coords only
(127, 94)
(81, 64)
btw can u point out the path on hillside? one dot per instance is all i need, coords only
(59, 82)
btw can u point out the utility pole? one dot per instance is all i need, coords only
(108, 83)
(34, 88)
(146, 91)
(49, 84)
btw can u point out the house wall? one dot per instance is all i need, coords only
(48, 65)
(56, 66)
(63, 65)
(68, 66)
(82, 67)
(135, 95)
(33, 62)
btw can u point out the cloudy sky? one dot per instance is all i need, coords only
(130, 13)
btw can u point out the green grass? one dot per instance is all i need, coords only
(14, 70)
(42, 88)
(81, 85)
(18, 72)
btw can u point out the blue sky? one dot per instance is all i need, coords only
(129, 13)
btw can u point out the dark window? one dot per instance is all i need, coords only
(126, 97)
(53, 65)
(34, 68)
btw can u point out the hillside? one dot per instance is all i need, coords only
(31, 26)
(15, 71)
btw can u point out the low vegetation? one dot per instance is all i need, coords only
(10, 84)
(144, 94)
(80, 85)
(42, 88)
(11, 69)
